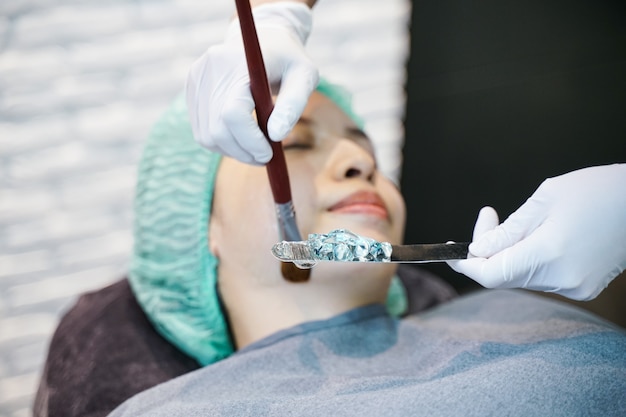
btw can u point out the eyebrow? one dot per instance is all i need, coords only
(354, 133)
(357, 132)
(305, 121)
(351, 132)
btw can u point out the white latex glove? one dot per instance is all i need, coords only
(568, 238)
(218, 86)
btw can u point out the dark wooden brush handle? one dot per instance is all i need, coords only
(261, 93)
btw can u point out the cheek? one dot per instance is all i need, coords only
(245, 211)
(397, 208)
(304, 195)
(256, 218)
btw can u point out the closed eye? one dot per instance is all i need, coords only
(300, 138)
(297, 145)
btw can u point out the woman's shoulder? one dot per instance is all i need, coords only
(104, 351)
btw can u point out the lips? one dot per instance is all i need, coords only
(362, 202)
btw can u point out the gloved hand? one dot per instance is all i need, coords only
(218, 86)
(568, 238)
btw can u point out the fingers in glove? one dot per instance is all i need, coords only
(244, 139)
(515, 228)
(522, 265)
(491, 272)
(196, 101)
(503, 269)
(487, 220)
(297, 84)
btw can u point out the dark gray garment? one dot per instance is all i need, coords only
(491, 353)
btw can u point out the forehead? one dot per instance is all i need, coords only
(321, 106)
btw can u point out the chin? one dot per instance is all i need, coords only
(362, 271)
(367, 226)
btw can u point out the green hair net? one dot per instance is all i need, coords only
(173, 274)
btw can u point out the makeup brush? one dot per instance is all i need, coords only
(276, 167)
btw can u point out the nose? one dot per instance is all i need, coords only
(349, 160)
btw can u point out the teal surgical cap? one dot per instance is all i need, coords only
(173, 274)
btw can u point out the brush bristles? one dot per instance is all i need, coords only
(294, 274)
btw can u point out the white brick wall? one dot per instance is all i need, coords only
(81, 82)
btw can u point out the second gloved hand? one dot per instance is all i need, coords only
(219, 100)
(568, 238)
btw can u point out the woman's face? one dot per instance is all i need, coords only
(334, 184)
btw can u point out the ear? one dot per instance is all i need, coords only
(214, 234)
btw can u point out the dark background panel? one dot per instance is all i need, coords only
(502, 94)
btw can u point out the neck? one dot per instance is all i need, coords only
(258, 308)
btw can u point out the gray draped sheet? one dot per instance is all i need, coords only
(489, 353)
